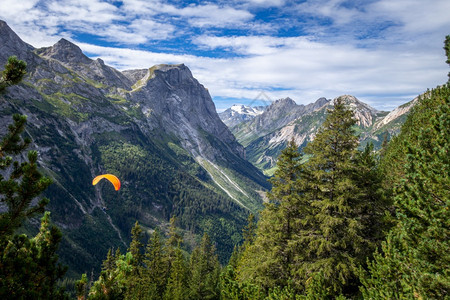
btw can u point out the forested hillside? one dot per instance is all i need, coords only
(346, 224)
(156, 129)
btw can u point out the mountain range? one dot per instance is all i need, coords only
(157, 129)
(266, 134)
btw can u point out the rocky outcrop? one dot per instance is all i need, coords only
(396, 114)
(175, 101)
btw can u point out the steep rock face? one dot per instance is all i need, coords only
(396, 114)
(365, 115)
(71, 56)
(183, 107)
(10, 42)
(65, 52)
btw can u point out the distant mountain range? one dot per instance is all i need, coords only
(264, 135)
(239, 113)
(157, 129)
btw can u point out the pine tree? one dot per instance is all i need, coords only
(268, 261)
(25, 182)
(29, 266)
(447, 52)
(173, 241)
(113, 284)
(248, 233)
(136, 244)
(375, 203)
(13, 73)
(415, 259)
(156, 267)
(81, 287)
(204, 271)
(332, 235)
(177, 288)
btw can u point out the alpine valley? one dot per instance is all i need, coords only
(157, 129)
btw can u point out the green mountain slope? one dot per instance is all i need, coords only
(153, 128)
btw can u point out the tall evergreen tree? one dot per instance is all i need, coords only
(156, 267)
(268, 261)
(333, 239)
(447, 52)
(29, 267)
(204, 271)
(136, 244)
(177, 287)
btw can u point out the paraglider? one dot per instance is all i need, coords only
(113, 179)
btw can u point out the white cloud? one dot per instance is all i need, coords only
(384, 52)
(300, 69)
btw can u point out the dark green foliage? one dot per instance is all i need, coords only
(333, 234)
(414, 262)
(25, 182)
(29, 266)
(204, 271)
(136, 244)
(112, 284)
(156, 269)
(162, 274)
(13, 73)
(325, 218)
(177, 285)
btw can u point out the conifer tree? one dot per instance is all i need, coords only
(248, 233)
(13, 73)
(29, 266)
(81, 287)
(415, 257)
(204, 271)
(447, 52)
(173, 241)
(136, 244)
(333, 239)
(268, 261)
(156, 267)
(177, 288)
(113, 284)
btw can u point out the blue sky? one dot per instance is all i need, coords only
(384, 52)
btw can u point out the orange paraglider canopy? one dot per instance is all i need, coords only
(114, 180)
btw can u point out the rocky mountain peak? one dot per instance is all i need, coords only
(10, 42)
(284, 103)
(365, 114)
(173, 74)
(321, 102)
(65, 52)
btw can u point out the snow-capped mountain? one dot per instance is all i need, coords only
(239, 113)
